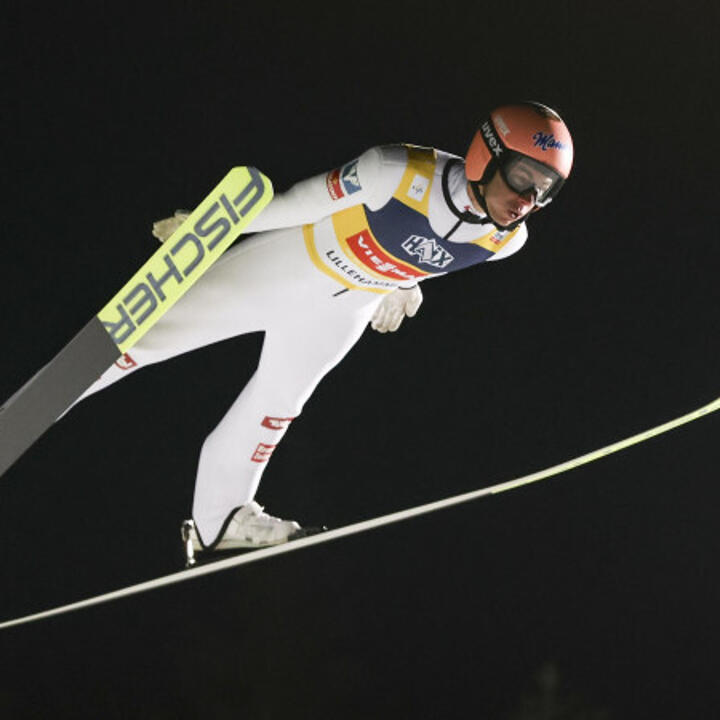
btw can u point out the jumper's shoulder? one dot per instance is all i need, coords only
(391, 155)
(383, 166)
(402, 154)
(380, 169)
(517, 239)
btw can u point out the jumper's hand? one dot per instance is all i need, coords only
(394, 307)
(163, 229)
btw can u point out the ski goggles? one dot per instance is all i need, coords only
(524, 175)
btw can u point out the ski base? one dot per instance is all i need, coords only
(47, 395)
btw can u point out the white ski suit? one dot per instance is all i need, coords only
(325, 254)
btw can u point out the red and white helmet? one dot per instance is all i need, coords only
(530, 145)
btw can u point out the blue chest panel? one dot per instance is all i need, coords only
(407, 234)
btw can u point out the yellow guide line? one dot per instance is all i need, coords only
(216, 566)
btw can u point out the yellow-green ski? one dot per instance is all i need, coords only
(168, 274)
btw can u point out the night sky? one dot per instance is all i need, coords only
(594, 592)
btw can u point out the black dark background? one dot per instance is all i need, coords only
(594, 592)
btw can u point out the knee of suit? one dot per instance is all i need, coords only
(281, 398)
(285, 412)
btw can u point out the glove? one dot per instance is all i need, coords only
(163, 229)
(394, 307)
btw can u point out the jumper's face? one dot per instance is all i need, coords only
(504, 204)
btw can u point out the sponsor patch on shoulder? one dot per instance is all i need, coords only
(333, 185)
(349, 177)
(418, 188)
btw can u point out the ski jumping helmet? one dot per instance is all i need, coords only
(529, 144)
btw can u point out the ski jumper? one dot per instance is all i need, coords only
(323, 256)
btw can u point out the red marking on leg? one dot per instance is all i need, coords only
(276, 423)
(262, 453)
(125, 362)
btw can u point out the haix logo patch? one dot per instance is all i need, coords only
(428, 251)
(349, 177)
(491, 139)
(547, 142)
(418, 188)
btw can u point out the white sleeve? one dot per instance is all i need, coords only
(513, 245)
(360, 181)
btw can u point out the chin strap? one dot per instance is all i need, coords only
(462, 215)
(475, 188)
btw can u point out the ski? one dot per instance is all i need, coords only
(164, 278)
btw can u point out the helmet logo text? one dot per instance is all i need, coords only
(504, 129)
(492, 141)
(547, 142)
